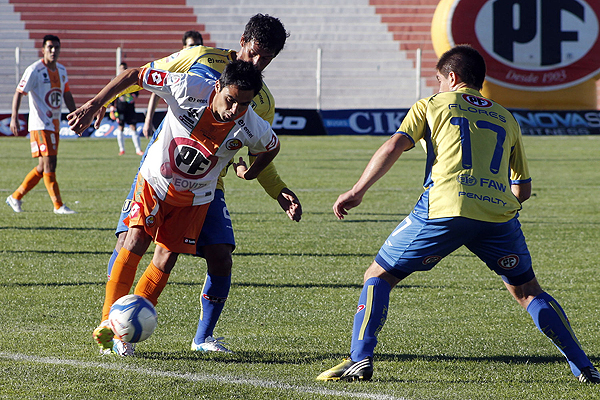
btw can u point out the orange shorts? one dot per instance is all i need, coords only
(174, 228)
(43, 143)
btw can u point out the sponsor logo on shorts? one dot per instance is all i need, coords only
(233, 144)
(431, 259)
(126, 206)
(134, 211)
(508, 262)
(360, 308)
(150, 220)
(189, 241)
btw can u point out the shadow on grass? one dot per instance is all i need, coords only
(264, 357)
(55, 228)
(82, 252)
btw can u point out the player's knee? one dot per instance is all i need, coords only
(218, 259)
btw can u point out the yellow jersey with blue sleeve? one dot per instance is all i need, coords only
(453, 126)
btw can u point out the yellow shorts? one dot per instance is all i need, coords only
(174, 228)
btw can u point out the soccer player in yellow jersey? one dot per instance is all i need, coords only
(475, 181)
(47, 84)
(263, 38)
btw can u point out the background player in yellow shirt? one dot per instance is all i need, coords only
(476, 179)
(47, 84)
(190, 39)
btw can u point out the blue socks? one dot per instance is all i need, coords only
(552, 321)
(214, 295)
(113, 257)
(370, 316)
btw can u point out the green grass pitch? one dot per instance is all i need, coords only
(452, 333)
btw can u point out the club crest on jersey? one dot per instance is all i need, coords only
(233, 144)
(508, 262)
(190, 159)
(467, 180)
(156, 78)
(476, 101)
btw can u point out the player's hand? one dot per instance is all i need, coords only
(81, 119)
(345, 202)
(15, 126)
(290, 204)
(240, 168)
(148, 129)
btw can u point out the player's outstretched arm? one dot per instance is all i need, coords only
(379, 165)
(81, 118)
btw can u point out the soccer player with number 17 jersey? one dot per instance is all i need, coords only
(476, 178)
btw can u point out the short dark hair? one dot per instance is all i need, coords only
(242, 74)
(197, 36)
(267, 31)
(464, 61)
(124, 65)
(51, 38)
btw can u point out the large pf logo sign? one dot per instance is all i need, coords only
(536, 45)
(190, 159)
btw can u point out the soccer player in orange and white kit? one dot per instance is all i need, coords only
(207, 123)
(47, 83)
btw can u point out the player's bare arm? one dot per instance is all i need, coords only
(522, 191)
(262, 160)
(148, 129)
(15, 125)
(69, 101)
(82, 117)
(378, 166)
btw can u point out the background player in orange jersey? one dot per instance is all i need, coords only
(47, 84)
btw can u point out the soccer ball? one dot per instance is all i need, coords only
(132, 318)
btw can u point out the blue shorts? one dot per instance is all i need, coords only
(418, 244)
(217, 228)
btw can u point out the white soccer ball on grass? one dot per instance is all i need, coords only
(132, 318)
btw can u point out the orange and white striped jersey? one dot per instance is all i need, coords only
(191, 146)
(45, 89)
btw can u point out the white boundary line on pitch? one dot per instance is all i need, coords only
(196, 377)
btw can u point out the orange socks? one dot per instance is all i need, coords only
(121, 279)
(152, 283)
(52, 188)
(32, 179)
